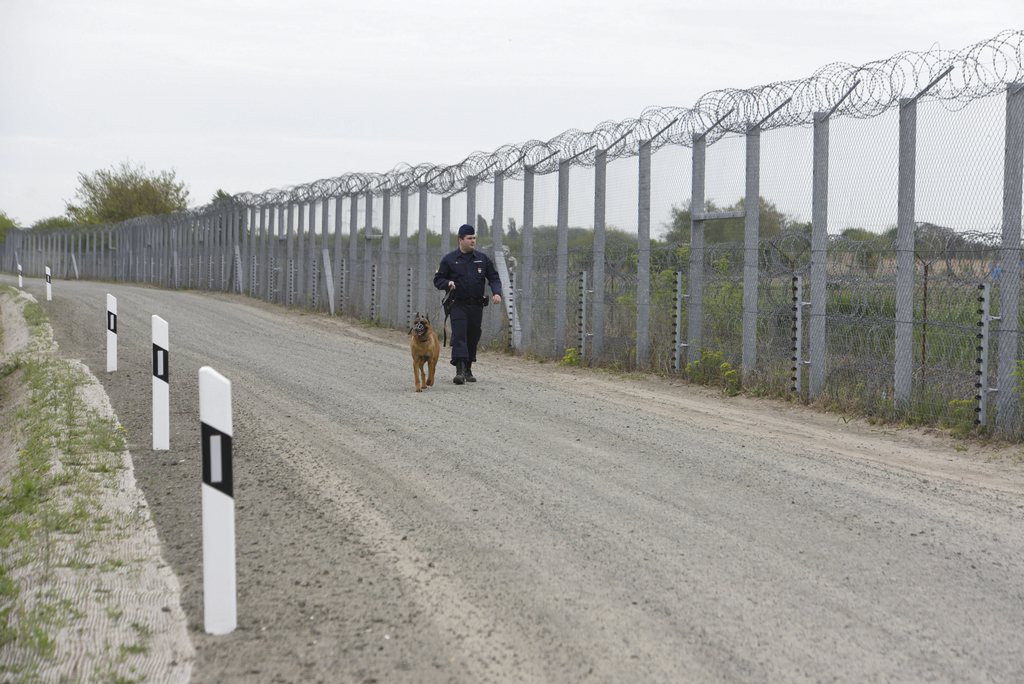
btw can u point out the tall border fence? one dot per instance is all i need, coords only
(917, 320)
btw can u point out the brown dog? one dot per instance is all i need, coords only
(425, 350)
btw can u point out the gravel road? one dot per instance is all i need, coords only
(550, 524)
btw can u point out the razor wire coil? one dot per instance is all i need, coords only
(860, 92)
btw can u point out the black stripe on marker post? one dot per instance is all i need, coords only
(217, 460)
(112, 322)
(160, 362)
(48, 277)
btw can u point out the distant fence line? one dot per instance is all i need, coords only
(922, 323)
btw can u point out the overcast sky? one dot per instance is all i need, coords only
(249, 95)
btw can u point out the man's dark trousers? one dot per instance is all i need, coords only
(466, 321)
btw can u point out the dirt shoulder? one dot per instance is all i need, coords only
(932, 452)
(87, 595)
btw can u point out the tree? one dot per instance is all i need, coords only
(513, 231)
(858, 234)
(679, 227)
(124, 192)
(773, 222)
(867, 247)
(5, 223)
(53, 223)
(481, 228)
(220, 196)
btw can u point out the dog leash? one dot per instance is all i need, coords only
(446, 304)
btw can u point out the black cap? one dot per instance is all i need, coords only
(466, 229)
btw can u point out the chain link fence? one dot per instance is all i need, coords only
(879, 273)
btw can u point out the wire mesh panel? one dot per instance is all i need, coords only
(666, 261)
(861, 308)
(862, 182)
(542, 297)
(959, 187)
(949, 268)
(619, 304)
(670, 204)
(780, 259)
(784, 212)
(540, 290)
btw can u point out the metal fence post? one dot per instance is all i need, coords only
(498, 219)
(819, 256)
(526, 276)
(905, 212)
(751, 236)
(367, 253)
(597, 306)
(562, 259)
(301, 291)
(751, 243)
(422, 275)
(281, 273)
(246, 225)
(269, 251)
(125, 252)
(1008, 401)
(471, 202)
(383, 299)
(903, 376)
(312, 252)
(338, 251)
(205, 257)
(226, 244)
(695, 312)
(256, 229)
(290, 274)
(643, 261)
(403, 253)
(352, 265)
(446, 226)
(325, 218)
(497, 226)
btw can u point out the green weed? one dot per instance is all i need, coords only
(571, 357)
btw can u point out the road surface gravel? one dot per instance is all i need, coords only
(550, 524)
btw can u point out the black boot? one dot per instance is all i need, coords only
(469, 372)
(460, 373)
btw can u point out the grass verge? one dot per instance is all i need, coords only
(56, 526)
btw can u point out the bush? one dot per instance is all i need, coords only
(712, 369)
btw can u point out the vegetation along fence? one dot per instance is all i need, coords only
(852, 238)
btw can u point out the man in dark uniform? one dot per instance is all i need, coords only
(463, 272)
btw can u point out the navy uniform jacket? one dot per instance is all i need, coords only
(469, 272)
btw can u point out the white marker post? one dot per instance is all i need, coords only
(219, 595)
(21, 282)
(161, 386)
(111, 333)
(49, 288)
